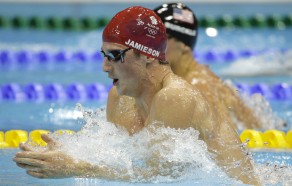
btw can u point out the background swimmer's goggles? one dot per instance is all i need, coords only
(115, 55)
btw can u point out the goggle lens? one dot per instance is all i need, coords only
(115, 55)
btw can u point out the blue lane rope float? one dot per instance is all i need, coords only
(23, 57)
(26, 57)
(98, 91)
(53, 92)
(280, 91)
(91, 23)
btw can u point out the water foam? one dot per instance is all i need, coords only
(268, 63)
(261, 109)
(178, 155)
(272, 173)
(175, 154)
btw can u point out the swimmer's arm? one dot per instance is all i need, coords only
(177, 112)
(109, 173)
(51, 163)
(56, 164)
(223, 141)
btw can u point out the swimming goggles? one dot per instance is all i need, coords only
(115, 55)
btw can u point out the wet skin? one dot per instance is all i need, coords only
(195, 110)
(208, 83)
(156, 95)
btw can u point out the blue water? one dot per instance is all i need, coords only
(30, 115)
(10, 174)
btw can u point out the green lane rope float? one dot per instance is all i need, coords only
(91, 23)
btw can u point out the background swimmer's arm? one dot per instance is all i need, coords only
(206, 80)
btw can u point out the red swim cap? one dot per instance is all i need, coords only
(138, 28)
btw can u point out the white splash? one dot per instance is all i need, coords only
(103, 143)
(273, 174)
(261, 109)
(178, 154)
(268, 63)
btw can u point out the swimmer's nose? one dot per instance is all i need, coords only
(106, 67)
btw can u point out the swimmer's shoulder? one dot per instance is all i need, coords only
(176, 94)
(174, 81)
(178, 105)
(180, 86)
(173, 107)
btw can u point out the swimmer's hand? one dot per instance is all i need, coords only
(48, 163)
(52, 163)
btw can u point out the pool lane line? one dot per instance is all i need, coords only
(92, 23)
(254, 139)
(24, 57)
(36, 92)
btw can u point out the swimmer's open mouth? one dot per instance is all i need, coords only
(115, 81)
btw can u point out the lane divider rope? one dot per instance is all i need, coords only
(53, 92)
(266, 139)
(36, 92)
(53, 23)
(251, 138)
(12, 138)
(90, 23)
(26, 57)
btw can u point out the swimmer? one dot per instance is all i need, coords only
(134, 44)
(182, 30)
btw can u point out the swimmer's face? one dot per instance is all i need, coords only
(124, 67)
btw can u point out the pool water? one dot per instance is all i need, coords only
(275, 168)
(59, 114)
(265, 45)
(71, 71)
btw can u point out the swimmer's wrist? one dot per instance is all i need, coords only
(86, 170)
